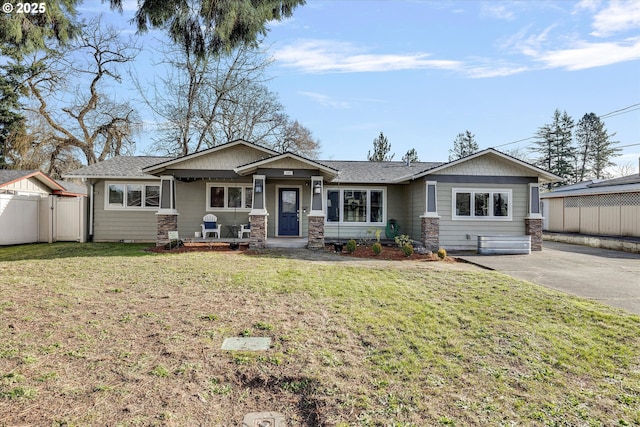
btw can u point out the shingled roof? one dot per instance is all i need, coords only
(376, 172)
(119, 167)
(10, 175)
(349, 171)
(624, 184)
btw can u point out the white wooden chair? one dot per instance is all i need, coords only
(244, 229)
(210, 225)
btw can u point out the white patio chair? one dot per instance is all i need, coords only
(210, 225)
(244, 229)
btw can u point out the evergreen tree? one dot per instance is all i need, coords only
(595, 149)
(554, 147)
(381, 148)
(465, 144)
(22, 34)
(12, 122)
(411, 156)
(212, 26)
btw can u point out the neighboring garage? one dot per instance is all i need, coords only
(609, 208)
(36, 208)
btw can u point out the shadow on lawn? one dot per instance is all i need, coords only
(42, 251)
(303, 254)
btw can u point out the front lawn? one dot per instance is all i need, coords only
(106, 334)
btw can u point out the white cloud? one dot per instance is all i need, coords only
(590, 5)
(617, 17)
(323, 56)
(529, 45)
(494, 70)
(589, 55)
(325, 100)
(498, 11)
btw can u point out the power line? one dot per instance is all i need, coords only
(610, 114)
(603, 116)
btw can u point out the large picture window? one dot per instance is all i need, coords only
(482, 204)
(132, 196)
(220, 197)
(355, 206)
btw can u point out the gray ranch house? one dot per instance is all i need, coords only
(281, 195)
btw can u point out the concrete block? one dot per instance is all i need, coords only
(263, 419)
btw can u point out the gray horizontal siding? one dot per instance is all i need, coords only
(453, 234)
(121, 224)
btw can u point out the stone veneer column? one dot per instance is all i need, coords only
(316, 232)
(533, 228)
(258, 236)
(431, 232)
(166, 223)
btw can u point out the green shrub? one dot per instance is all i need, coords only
(442, 253)
(351, 246)
(403, 240)
(376, 248)
(407, 250)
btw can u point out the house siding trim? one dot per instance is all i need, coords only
(485, 179)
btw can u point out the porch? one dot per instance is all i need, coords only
(272, 242)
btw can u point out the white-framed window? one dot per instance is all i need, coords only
(482, 204)
(132, 196)
(355, 205)
(229, 196)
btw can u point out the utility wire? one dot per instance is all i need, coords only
(604, 116)
(610, 114)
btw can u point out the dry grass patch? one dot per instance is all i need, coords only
(111, 335)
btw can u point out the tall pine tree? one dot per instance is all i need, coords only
(464, 145)
(595, 148)
(555, 147)
(381, 148)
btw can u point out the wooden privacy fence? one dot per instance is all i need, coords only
(616, 214)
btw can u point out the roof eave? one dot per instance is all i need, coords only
(43, 178)
(543, 175)
(157, 168)
(254, 166)
(120, 177)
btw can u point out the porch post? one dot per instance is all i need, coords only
(316, 215)
(430, 220)
(167, 215)
(533, 221)
(258, 215)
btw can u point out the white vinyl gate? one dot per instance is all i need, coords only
(31, 219)
(68, 219)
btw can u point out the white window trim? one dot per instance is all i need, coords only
(124, 206)
(245, 187)
(472, 217)
(341, 198)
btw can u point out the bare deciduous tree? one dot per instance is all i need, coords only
(296, 138)
(67, 92)
(208, 100)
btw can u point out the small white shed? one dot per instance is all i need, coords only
(36, 208)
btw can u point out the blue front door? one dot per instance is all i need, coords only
(288, 212)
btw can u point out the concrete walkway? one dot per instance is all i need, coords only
(610, 277)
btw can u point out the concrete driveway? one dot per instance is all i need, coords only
(611, 277)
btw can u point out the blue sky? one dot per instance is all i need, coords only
(424, 71)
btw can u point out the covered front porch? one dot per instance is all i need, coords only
(279, 199)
